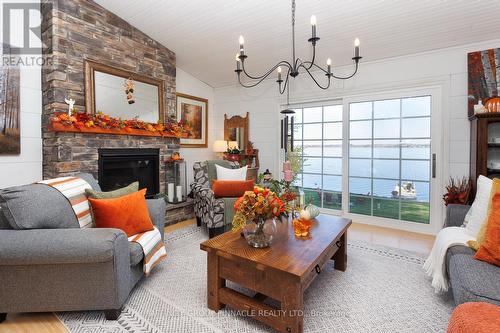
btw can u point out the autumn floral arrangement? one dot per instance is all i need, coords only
(257, 209)
(85, 122)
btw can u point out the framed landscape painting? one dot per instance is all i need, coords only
(193, 111)
(10, 140)
(484, 76)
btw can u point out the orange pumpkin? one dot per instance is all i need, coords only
(493, 104)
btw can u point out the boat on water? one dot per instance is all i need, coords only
(406, 191)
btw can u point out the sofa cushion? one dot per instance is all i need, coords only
(471, 279)
(479, 208)
(4, 224)
(95, 194)
(90, 179)
(475, 317)
(128, 213)
(490, 248)
(460, 249)
(37, 206)
(136, 253)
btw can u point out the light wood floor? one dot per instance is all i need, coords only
(409, 241)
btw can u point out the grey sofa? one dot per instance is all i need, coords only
(208, 209)
(60, 267)
(471, 280)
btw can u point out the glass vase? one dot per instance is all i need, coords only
(259, 232)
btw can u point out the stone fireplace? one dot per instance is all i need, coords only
(73, 31)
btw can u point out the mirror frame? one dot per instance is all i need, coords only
(235, 122)
(91, 67)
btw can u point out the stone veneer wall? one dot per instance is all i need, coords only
(73, 31)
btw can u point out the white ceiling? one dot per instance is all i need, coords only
(204, 33)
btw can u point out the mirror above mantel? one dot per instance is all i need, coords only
(123, 94)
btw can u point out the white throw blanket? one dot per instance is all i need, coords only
(435, 265)
(152, 246)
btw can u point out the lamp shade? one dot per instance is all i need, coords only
(219, 146)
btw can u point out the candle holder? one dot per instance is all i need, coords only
(176, 181)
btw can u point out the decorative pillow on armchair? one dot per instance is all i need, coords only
(128, 213)
(231, 188)
(231, 174)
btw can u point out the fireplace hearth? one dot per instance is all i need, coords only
(120, 167)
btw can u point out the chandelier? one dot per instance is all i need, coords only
(295, 67)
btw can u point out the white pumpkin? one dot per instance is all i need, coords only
(304, 215)
(312, 210)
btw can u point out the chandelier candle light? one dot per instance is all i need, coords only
(294, 67)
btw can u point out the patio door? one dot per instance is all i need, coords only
(392, 149)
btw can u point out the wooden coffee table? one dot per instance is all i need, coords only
(282, 271)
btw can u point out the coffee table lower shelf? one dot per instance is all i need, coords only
(284, 287)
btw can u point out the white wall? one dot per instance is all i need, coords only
(26, 167)
(188, 84)
(445, 69)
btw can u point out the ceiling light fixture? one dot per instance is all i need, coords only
(293, 68)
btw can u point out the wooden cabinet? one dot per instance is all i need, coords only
(485, 146)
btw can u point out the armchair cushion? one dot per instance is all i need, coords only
(36, 206)
(231, 188)
(61, 246)
(212, 171)
(230, 173)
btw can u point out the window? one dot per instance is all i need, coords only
(389, 158)
(318, 143)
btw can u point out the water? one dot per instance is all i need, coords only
(416, 171)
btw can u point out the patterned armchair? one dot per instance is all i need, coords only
(209, 210)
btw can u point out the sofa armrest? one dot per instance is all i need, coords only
(157, 210)
(455, 215)
(62, 246)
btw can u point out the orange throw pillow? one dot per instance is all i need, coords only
(490, 249)
(231, 188)
(128, 213)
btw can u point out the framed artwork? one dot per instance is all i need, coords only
(483, 77)
(10, 140)
(193, 111)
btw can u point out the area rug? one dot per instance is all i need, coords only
(383, 290)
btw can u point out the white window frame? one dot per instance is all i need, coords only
(436, 184)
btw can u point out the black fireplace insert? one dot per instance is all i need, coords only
(122, 166)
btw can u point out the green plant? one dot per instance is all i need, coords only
(296, 159)
(233, 151)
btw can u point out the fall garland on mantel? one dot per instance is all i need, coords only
(101, 123)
